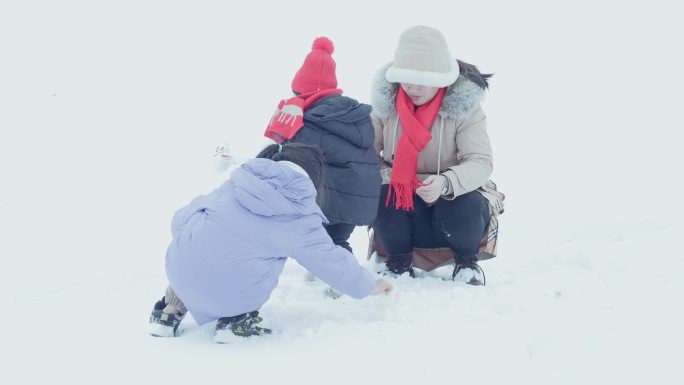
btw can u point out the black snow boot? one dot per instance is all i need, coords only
(400, 264)
(467, 270)
(243, 325)
(162, 324)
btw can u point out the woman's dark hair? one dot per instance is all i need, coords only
(310, 158)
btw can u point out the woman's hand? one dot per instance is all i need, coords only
(432, 188)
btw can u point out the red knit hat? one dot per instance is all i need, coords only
(318, 70)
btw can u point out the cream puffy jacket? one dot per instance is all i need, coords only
(459, 148)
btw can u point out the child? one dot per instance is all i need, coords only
(230, 246)
(320, 115)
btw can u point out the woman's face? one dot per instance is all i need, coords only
(419, 95)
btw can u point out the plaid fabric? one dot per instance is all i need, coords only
(496, 207)
(430, 259)
(488, 241)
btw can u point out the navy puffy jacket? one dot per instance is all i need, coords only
(342, 128)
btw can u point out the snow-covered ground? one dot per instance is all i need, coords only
(109, 112)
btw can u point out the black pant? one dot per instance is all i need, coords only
(458, 224)
(340, 233)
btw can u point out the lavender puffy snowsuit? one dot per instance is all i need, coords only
(229, 246)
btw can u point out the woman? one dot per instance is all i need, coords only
(437, 204)
(230, 246)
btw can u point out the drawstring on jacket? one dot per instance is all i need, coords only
(394, 139)
(439, 152)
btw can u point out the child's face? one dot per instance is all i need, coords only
(418, 94)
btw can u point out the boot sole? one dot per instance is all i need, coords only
(159, 330)
(226, 336)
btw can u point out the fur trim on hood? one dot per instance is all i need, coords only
(460, 99)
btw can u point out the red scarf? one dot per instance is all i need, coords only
(415, 137)
(289, 116)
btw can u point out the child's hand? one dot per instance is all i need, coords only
(382, 287)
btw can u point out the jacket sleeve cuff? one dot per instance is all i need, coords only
(449, 195)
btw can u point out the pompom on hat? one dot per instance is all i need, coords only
(318, 71)
(423, 58)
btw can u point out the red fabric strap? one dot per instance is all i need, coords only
(289, 116)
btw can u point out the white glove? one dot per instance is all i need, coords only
(381, 287)
(222, 158)
(433, 187)
(386, 175)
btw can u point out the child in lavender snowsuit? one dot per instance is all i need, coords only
(230, 246)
